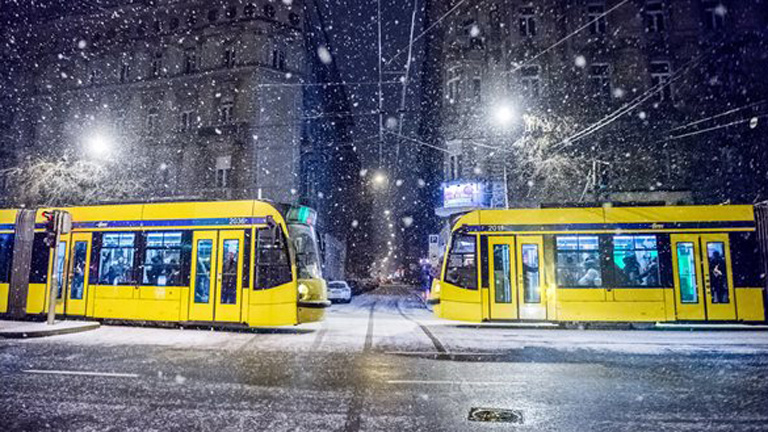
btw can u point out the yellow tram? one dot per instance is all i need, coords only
(618, 264)
(240, 262)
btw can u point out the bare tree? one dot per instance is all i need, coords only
(40, 182)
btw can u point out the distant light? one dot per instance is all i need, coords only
(580, 61)
(379, 178)
(324, 55)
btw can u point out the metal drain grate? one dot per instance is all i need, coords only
(496, 415)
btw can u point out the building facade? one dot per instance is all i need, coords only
(602, 101)
(198, 99)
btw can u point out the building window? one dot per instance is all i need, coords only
(232, 12)
(226, 111)
(294, 19)
(596, 18)
(527, 22)
(162, 260)
(187, 120)
(531, 81)
(661, 73)
(191, 19)
(454, 83)
(269, 11)
(93, 76)
(223, 171)
(190, 61)
(116, 259)
(578, 261)
(249, 10)
(125, 72)
(213, 15)
(173, 23)
(461, 268)
(229, 57)
(600, 80)
(477, 89)
(655, 21)
(153, 117)
(454, 166)
(156, 68)
(636, 261)
(714, 15)
(278, 59)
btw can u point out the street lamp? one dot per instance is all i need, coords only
(98, 145)
(504, 114)
(379, 179)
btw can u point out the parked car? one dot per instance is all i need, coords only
(339, 291)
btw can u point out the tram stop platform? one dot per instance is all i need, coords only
(30, 329)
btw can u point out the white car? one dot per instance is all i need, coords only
(339, 291)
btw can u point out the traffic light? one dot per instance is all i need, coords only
(50, 229)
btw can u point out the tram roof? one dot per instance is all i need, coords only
(609, 215)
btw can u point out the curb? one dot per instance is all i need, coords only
(22, 334)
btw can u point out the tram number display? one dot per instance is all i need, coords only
(238, 221)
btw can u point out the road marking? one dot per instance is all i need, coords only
(81, 373)
(442, 353)
(451, 382)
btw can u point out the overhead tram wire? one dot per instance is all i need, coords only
(402, 50)
(404, 94)
(711, 129)
(610, 118)
(716, 116)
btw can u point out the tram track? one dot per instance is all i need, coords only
(439, 347)
(352, 421)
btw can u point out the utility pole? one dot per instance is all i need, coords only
(58, 222)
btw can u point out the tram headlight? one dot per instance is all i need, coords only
(303, 292)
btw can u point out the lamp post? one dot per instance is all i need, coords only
(505, 117)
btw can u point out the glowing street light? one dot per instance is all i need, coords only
(379, 179)
(504, 115)
(98, 145)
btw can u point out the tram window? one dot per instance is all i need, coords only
(6, 255)
(462, 263)
(745, 260)
(636, 261)
(41, 255)
(162, 260)
(116, 258)
(718, 272)
(229, 266)
(686, 271)
(578, 261)
(273, 266)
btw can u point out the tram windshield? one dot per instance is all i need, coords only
(304, 244)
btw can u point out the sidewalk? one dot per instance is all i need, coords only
(28, 329)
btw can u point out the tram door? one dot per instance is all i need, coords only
(77, 270)
(530, 282)
(503, 283)
(703, 277)
(216, 276)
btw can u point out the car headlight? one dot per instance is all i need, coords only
(303, 292)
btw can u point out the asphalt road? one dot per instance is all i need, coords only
(382, 363)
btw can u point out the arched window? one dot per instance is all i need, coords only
(249, 10)
(173, 23)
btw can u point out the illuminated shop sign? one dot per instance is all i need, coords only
(465, 194)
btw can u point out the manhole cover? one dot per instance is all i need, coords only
(496, 415)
